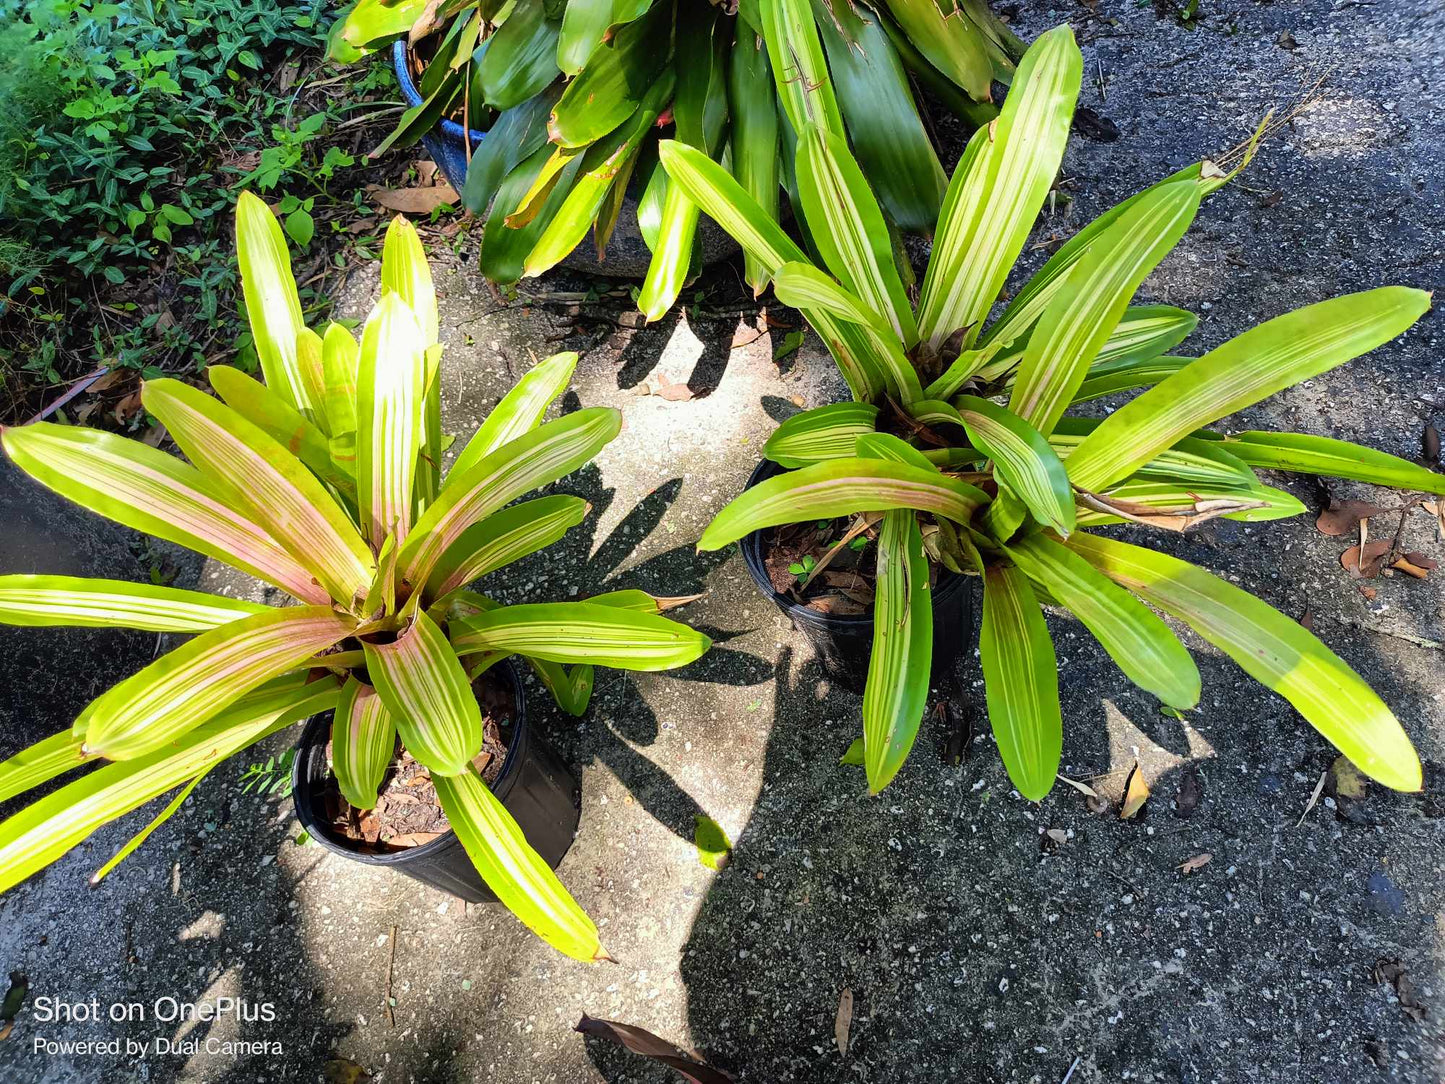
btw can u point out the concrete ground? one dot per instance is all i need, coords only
(975, 948)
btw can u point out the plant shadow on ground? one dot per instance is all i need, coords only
(974, 946)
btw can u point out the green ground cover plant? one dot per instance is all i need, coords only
(969, 422)
(125, 130)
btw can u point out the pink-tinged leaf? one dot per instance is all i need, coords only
(77, 601)
(180, 691)
(140, 487)
(520, 411)
(426, 692)
(272, 304)
(363, 736)
(263, 477)
(547, 453)
(340, 357)
(45, 830)
(504, 537)
(391, 386)
(404, 272)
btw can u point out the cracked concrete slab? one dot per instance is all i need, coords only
(975, 948)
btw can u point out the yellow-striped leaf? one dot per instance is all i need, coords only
(272, 304)
(1275, 650)
(42, 762)
(340, 357)
(1244, 370)
(1138, 641)
(520, 411)
(263, 477)
(1309, 454)
(140, 487)
(78, 601)
(828, 432)
(997, 191)
(543, 455)
(389, 418)
(427, 694)
(800, 70)
(363, 737)
(504, 537)
(183, 689)
(582, 632)
(513, 870)
(1023, 460)
(902, 653)
(1021, 681)
(841, 487)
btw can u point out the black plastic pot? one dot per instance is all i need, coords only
(535, 786)
(844, 643)
(627, 254)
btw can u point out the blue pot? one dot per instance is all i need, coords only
(627, 254)
(446, 143)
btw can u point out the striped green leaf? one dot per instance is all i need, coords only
(847, 225)
(1109, 378)
(840, 487)
(520, 411)
(729, 205)
(133, 844)
(389, 418)
(951, 43)
(1138, 641)
(804, 287)
(1088, 307)
(340, 358)
(887, 446)
(800, 70)
(363, 737)
(1308, 454)
(1021, 681)
(1190, 461)
(582, 632)
(140, 487)
(997, 190)
(404, 272)
(1275, 650)
(1023, 460)
(877, 103)
(753, 108)
(513, 870)
(43, 831)
(261, 476)
(81, 602)
(266, 410)
(272, 304)
(828, 432)
(505, 247)
(504, 537)
(183, 689)
(42, 762)
(902, 653)
(1179, 506)
(544, 455)
(428, 696)
(1244, 370)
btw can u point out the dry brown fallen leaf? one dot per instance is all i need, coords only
(413, 201)
(641, 1041)
(675, 393)
(1391, 972)
(1375, 553)
(1342, 517)
(1083, 788)
(843, 1022)
(1189, 792)
(1314, 798)
(1136, 793)
(1198, 862)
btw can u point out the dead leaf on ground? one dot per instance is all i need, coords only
(1430, 442)
(1052, 839)
(1136, 793)
(1083, 788)
(343, 1071)
(675, 393)
(641, 1041)
(1314, 798)
(1374, 561)
(1307, 619)
(1198, 862)
(426, 171)
(843, 1022)
(1390, 972)
(1190, 791)
(413, 201)
(1415, 564)
(1368, 592)
(1342, 517)
(1346, 781)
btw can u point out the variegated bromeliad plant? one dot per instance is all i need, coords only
(572, 95)
(325, 483)
(1008, 489)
